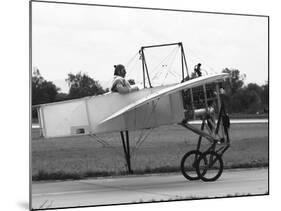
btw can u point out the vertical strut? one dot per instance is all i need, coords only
(128, 152)
(126, 148)
(182, 58)
(200, 137)
(192, 102)
(218, 96)
(143, 68)
(205, 97)
(123, 143)
(146, 70)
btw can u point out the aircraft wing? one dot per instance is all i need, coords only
(166, 91)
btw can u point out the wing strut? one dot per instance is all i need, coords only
(126, 147)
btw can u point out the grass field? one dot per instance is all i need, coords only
(79, 157)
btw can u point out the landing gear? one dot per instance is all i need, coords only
(207, 165)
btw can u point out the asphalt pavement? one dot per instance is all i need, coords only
(146, 188)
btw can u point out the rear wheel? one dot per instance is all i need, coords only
(209, 166)
(189, 164)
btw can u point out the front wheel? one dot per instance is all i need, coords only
(189, 164)
(209, 166)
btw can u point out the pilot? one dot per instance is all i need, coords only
(120, 84)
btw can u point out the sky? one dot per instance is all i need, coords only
(92, 39)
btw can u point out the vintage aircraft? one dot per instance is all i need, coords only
(151, 107)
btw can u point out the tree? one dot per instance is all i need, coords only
(265, 97)
(61, 97)
(236, 79)
(81, 85)
(245, 100)
(254, 87)
(43, 91)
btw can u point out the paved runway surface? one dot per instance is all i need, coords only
(131, 189)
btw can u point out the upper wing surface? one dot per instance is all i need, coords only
(166, 91)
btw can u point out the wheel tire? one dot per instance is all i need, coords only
(216, 168)
(187, 159)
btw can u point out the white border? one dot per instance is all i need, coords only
(15, 104)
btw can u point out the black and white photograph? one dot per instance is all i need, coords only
(134, 105)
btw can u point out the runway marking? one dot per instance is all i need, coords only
(237, 121)
(232, 121)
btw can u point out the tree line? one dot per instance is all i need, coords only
(239, 98)
(247, 99)
(80, 85)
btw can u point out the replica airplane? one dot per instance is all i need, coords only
(151, 107)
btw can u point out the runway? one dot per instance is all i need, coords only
(146, 188)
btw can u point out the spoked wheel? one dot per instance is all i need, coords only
(209, 166)
(189, 164)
